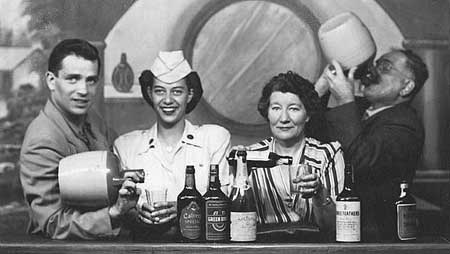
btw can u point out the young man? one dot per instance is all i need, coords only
(383, 136)
(173, 90)
(64, 127)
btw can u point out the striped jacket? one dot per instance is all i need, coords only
(271, 185)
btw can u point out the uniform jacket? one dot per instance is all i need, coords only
(384, 150)
(48, 139)
(200, 146)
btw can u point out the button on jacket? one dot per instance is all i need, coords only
(199, 146)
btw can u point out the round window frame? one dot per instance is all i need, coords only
(199, 21)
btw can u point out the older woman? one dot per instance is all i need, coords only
(288, 102)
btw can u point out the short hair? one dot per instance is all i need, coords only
(293, 83)
(77, 47)
(418, 68)
(147, 79)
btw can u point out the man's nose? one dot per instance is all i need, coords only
(82, 87)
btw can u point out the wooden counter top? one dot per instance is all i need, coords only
(38, 245)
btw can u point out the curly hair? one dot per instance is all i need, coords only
(291, 82)
(146, 81)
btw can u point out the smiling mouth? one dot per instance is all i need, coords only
(81, 101)
(168, 110)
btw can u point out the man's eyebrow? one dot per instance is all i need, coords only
(93, 77)
(72, 75)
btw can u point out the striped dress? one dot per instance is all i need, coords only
(271, 185)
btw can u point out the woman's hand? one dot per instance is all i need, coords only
(309, 184)
(158, 213)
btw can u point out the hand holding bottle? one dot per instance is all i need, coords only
(341, 86)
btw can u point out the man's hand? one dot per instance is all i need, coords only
(128, 195)
(341, 87)
(322, 86)
(158, 213)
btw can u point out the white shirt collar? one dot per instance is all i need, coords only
(370, 111)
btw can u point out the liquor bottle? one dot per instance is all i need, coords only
(190, 207)
(243, 209)
(348, 210)
(406, 214)
(217, 209)
(261, 159)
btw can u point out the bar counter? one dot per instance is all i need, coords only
(34, 244)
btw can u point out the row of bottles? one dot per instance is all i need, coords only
(204, 217)
(348, 212)
(214, 217)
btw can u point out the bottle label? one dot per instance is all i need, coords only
(190, 221)
(348, 221)
(243, 226)
(217, 221)
(406, 221)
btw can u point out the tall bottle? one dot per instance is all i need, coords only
(261, 159)
(217, 209)
(190, 207)
(348, 210)
(406, 214)
(243, 209)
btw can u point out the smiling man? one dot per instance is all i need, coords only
(64, 127)
(173, 90)
(381, 133)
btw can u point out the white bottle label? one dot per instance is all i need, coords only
(406, 221)
(243, 226)
(348, 221)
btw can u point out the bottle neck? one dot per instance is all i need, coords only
(214, 182)
(189, 181)
(403, 190)
(258, 158)
(348, 180)
(241, 172)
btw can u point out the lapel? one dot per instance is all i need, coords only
(57, 118)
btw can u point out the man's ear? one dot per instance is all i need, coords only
(408, 88)
(51, 79)
(190, 94)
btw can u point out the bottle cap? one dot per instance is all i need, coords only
(190, 169)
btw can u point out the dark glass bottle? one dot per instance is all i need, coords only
(260, 159)
(406, 214)
(348, 210)
(217, 209)
(243, 209)
(190, 207)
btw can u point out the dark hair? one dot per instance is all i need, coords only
(418, 69)
(147, 79)
(77, 47)
(291, 82)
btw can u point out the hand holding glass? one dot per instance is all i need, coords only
(157, 200)
(296, 175)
